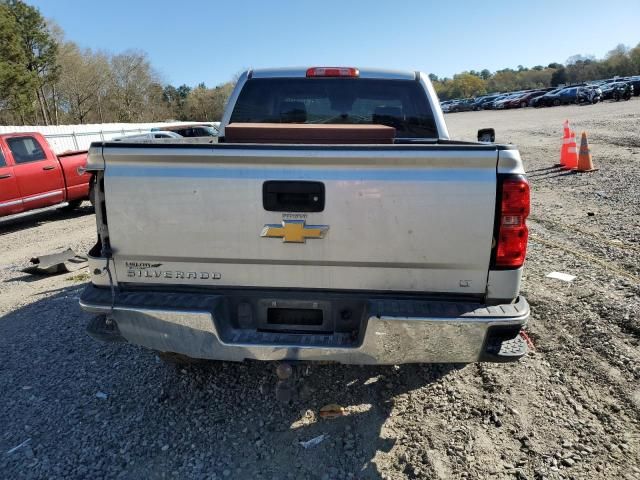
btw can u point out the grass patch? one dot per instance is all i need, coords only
(80, 277)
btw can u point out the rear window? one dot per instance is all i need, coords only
(2, 162)
(25, 149)
(401, 104)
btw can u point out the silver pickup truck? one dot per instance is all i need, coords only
(333, 220)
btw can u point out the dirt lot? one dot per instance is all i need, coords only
(571, 409)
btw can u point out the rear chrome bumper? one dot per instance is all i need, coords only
(393, 330)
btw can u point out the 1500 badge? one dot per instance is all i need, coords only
(142, 265)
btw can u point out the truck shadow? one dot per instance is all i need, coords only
(149, 419)
(350, 444)
(41, 218)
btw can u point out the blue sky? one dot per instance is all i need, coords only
(194, 41)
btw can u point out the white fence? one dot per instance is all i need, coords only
(78, 137)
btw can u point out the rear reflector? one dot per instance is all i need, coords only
(511, 247)
(333, 72)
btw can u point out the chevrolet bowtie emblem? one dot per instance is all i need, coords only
(294, 231)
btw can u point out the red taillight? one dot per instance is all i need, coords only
(333, 72)
(511, 247)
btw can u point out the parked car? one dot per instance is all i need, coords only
(617, 91)
(32, 177)
(465, 105)
(480, 104)
(490, 105)
(506, 101)
(196, 130)
(147, 136)
(478, 101)
(524, 100)
(457, 106)
(541, 101)
(635, 83)
(589, 94)
(562, 96)
(611, 80)
(452, 106)
(267, 253)
(445, 105)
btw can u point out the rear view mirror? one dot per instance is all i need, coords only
(487, 135)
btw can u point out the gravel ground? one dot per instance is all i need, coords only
(571, 409)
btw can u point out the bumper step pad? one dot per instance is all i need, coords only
(509, 350)
(105, 330)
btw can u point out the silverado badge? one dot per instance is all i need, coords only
(294, 231)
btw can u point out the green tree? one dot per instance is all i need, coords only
(176, 100)
(503, 81)
(618, 61)
(208, 103)
(183, 91)
(467, 85)
(634, 56)
(534, 78)
(17, 84)
(559, 77)
(39, 47)
(441, 89)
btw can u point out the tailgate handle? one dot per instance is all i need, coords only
(293, 196)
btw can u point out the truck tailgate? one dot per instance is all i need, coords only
(415, 218)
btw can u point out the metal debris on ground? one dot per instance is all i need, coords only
(17, 447)
(314, 441)
(61, 262)
(565, 277)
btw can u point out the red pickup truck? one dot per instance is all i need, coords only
(33, 177)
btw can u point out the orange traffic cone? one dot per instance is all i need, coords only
(585, 163)
(571, 155)
(565, 142)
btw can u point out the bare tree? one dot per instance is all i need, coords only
(131, 78)
(83, 75)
